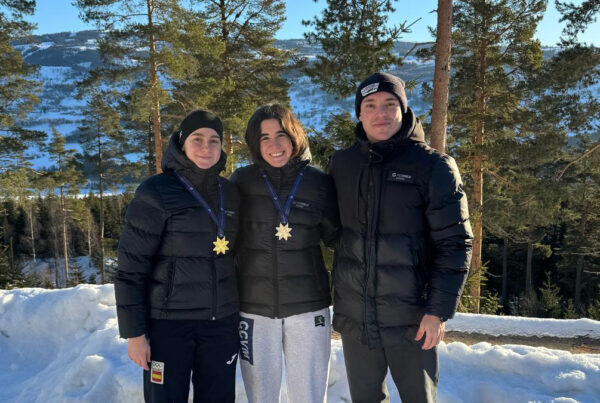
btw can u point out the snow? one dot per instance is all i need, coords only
(516, 325)
(63, 346)
(54, 74)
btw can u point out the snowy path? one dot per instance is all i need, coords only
(63, 346)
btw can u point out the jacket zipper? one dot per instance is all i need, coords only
(369, 243)
(275, 269)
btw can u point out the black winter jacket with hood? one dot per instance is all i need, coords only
(279, 278)
(405, 247)
(167, 268)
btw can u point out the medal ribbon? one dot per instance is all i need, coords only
(220, 221)
(284, 212)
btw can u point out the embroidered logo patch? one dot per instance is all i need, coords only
(246, 328)
(369, 89)
(400, 177)
(319, 320)
(157, 372)
(300, 204)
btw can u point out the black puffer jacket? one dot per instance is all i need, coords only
(406, 240)
(167, 268)
(279, 278)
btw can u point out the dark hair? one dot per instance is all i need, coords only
(288, 121)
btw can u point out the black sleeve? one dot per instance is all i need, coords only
(330, 221)
(450, 233)
(139, 243)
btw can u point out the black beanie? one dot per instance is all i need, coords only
(196, 120)
(381, 82)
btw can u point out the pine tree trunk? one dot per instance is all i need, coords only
(154, 92)
(504, 271)
(31, 232)
(151, 162)
(580, 259)
(441, 75)
(477, 174)
(101, 191)
(12, 255)
(89, 239)
(528, 270)
(228, 140)
(64, 235)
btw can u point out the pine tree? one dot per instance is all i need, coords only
(550, 298)
(66, 178)
(76, 276)
(578, 18)
(441, 75)
(574, 72)
(102, 140)
(18, 93)
(337, 134)
(356, 42)
(493, 53)
(240, 70)
(82, 217)
(137, 31)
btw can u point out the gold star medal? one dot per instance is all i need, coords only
(221, 245)
(283, 232)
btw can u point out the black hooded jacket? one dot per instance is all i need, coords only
(167, 267)
(279, 278)
(405, 246)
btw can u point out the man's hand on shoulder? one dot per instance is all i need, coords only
(433, 329)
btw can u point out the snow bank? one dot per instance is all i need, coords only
(520, 326)
(63, 346)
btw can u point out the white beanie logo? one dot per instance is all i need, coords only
(369, 89)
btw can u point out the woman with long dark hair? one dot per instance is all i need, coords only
(288, 208)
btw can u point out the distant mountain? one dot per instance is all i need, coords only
(65, 58)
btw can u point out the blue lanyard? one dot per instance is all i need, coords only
(284, 212)
(220, 222)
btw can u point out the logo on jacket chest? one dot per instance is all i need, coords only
(402, 177)
(302, 205)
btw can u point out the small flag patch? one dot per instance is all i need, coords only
(157, 372)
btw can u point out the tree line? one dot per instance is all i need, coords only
(524, 128)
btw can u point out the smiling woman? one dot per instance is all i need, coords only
(176, 293)
(275, 145)
(288, 209)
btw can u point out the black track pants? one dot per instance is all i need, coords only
(415, 371)
(205, 350)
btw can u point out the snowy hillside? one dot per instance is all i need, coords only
(65, 58)
(63, 346)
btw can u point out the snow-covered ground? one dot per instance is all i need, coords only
(63, 346)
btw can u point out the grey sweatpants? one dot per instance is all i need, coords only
(305, 341)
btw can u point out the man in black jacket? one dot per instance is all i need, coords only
(405, 247)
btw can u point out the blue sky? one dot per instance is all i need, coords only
(59, 15)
